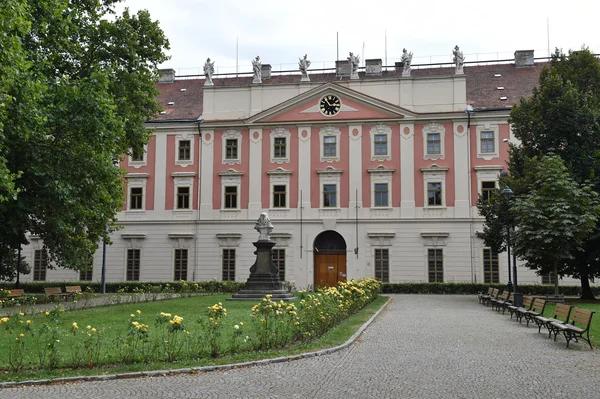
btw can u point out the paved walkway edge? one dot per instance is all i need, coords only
(203, 369)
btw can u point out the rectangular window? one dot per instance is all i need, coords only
(133, 265)
(329, 195)
(487, 190)
(230, 197)
(86, 274)
(137, 155)
(381, 194)
(548, 278)
(329, 146)
(279, 194)
(185, 150)
(181, 264)
(487, 143)
(278, 256)
(491, 273)
(434, 194)
(435, 262)
(280, 146)
(40, 265)
(136, 198)
(183, 198)
(229, 265)
(381, 144)
(231, 149)
(382, 265)
(434, 143)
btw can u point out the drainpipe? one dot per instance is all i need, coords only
(198, 121)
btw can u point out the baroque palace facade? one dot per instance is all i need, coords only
(370, 173)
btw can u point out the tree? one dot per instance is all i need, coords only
(8, 266)
(81, 89)
(562, 117)
(554, 218)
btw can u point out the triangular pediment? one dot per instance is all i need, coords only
(353, 105)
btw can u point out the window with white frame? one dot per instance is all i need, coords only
(382, 264)
(231, 182)
(381, 181)
(329, 180)
(381, 136)
(232, 147)
(435, 265)
(330, 196)
(183, 197)
(280, 183)
(330, 144)
(180, 264)
(491, 271)
(86, 274)
(40, 264)
(184, 149)
(184, 190)
(487, 141)
(487, 177)
(137, 158)
(433, 141)
(228, 264)
(381, 194)
(136, 198)
(487, 190)
(136, 191)
(280, 142)
(278, 255)
(133, 265)
(434, 184)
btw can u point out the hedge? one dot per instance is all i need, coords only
(209, 287)
(474, 288)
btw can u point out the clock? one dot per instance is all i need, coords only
(330, 105)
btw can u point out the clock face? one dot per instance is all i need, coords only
(330, 105)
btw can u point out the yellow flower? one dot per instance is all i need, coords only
(236, 327)
(241, 323)
(21, 314)
(4, 319)
(75, 325)
(88, 327)
(17, 339)
(138, 311)
(58, 340)
(93, 330)
(47, 313)
(28, 321)
(21, 335)
(132, 315)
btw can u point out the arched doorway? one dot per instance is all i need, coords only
(330, 259)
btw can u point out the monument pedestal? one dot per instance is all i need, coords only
(264, 278)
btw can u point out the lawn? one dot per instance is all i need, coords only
(594, 328)
(114, 326)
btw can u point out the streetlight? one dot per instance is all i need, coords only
(508, 193)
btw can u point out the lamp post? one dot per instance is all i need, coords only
(508, 193)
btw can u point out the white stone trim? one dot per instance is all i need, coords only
(386, 130)
(434, 240)
(434, 127)
(181, 241)
(229, 240)
(488, 127)
(184, 136)
(380, 239)
(278, 133)
(381, 174)
(231, 134)
(434, 174)
(279, 177)
(183, 179)
(136, 180)
(487, 173)
(329, 175)
(231, 178)
(138, 164)
(328, 131)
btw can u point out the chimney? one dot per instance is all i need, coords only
(524, 58)
(373, 67)
(265, 71)
(166, 76)
(343, 68)
(399, 66)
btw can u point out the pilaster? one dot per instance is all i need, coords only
(407, 170)
(207, 174)
(255, 175)
(160, 172)
(355, 150)
(461, 170)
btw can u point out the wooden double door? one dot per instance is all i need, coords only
(330, 269)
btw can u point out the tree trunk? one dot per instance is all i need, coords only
(555, 278)
(586, 290)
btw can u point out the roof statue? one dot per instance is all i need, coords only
(459, 60)
(354, 61)
(256, 68)
(209, 69)
(303, 64)
(406, 61)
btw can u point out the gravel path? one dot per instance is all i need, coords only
(421, 346)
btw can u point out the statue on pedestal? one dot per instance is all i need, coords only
(406, 61)
(354, 61)
(264, 227)
(459, 60)
(256, 68)
(303, 64)
(209, 69)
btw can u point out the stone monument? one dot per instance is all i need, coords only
(354, 61)
(459, 60)
(264, 276)
(257, 70)
(406, 61)
(209, 69)
(303, 64)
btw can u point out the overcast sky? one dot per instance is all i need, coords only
(281, 31)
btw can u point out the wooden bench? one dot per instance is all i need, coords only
(578, 324)
(508, 302)
(496, 303)
(493, 295)
(483, 296)
(54, 292)
(537, 309)
(72, 289)
(15, 292)
(527, 302)
(561, 315)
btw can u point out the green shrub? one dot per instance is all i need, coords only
(474, 288)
